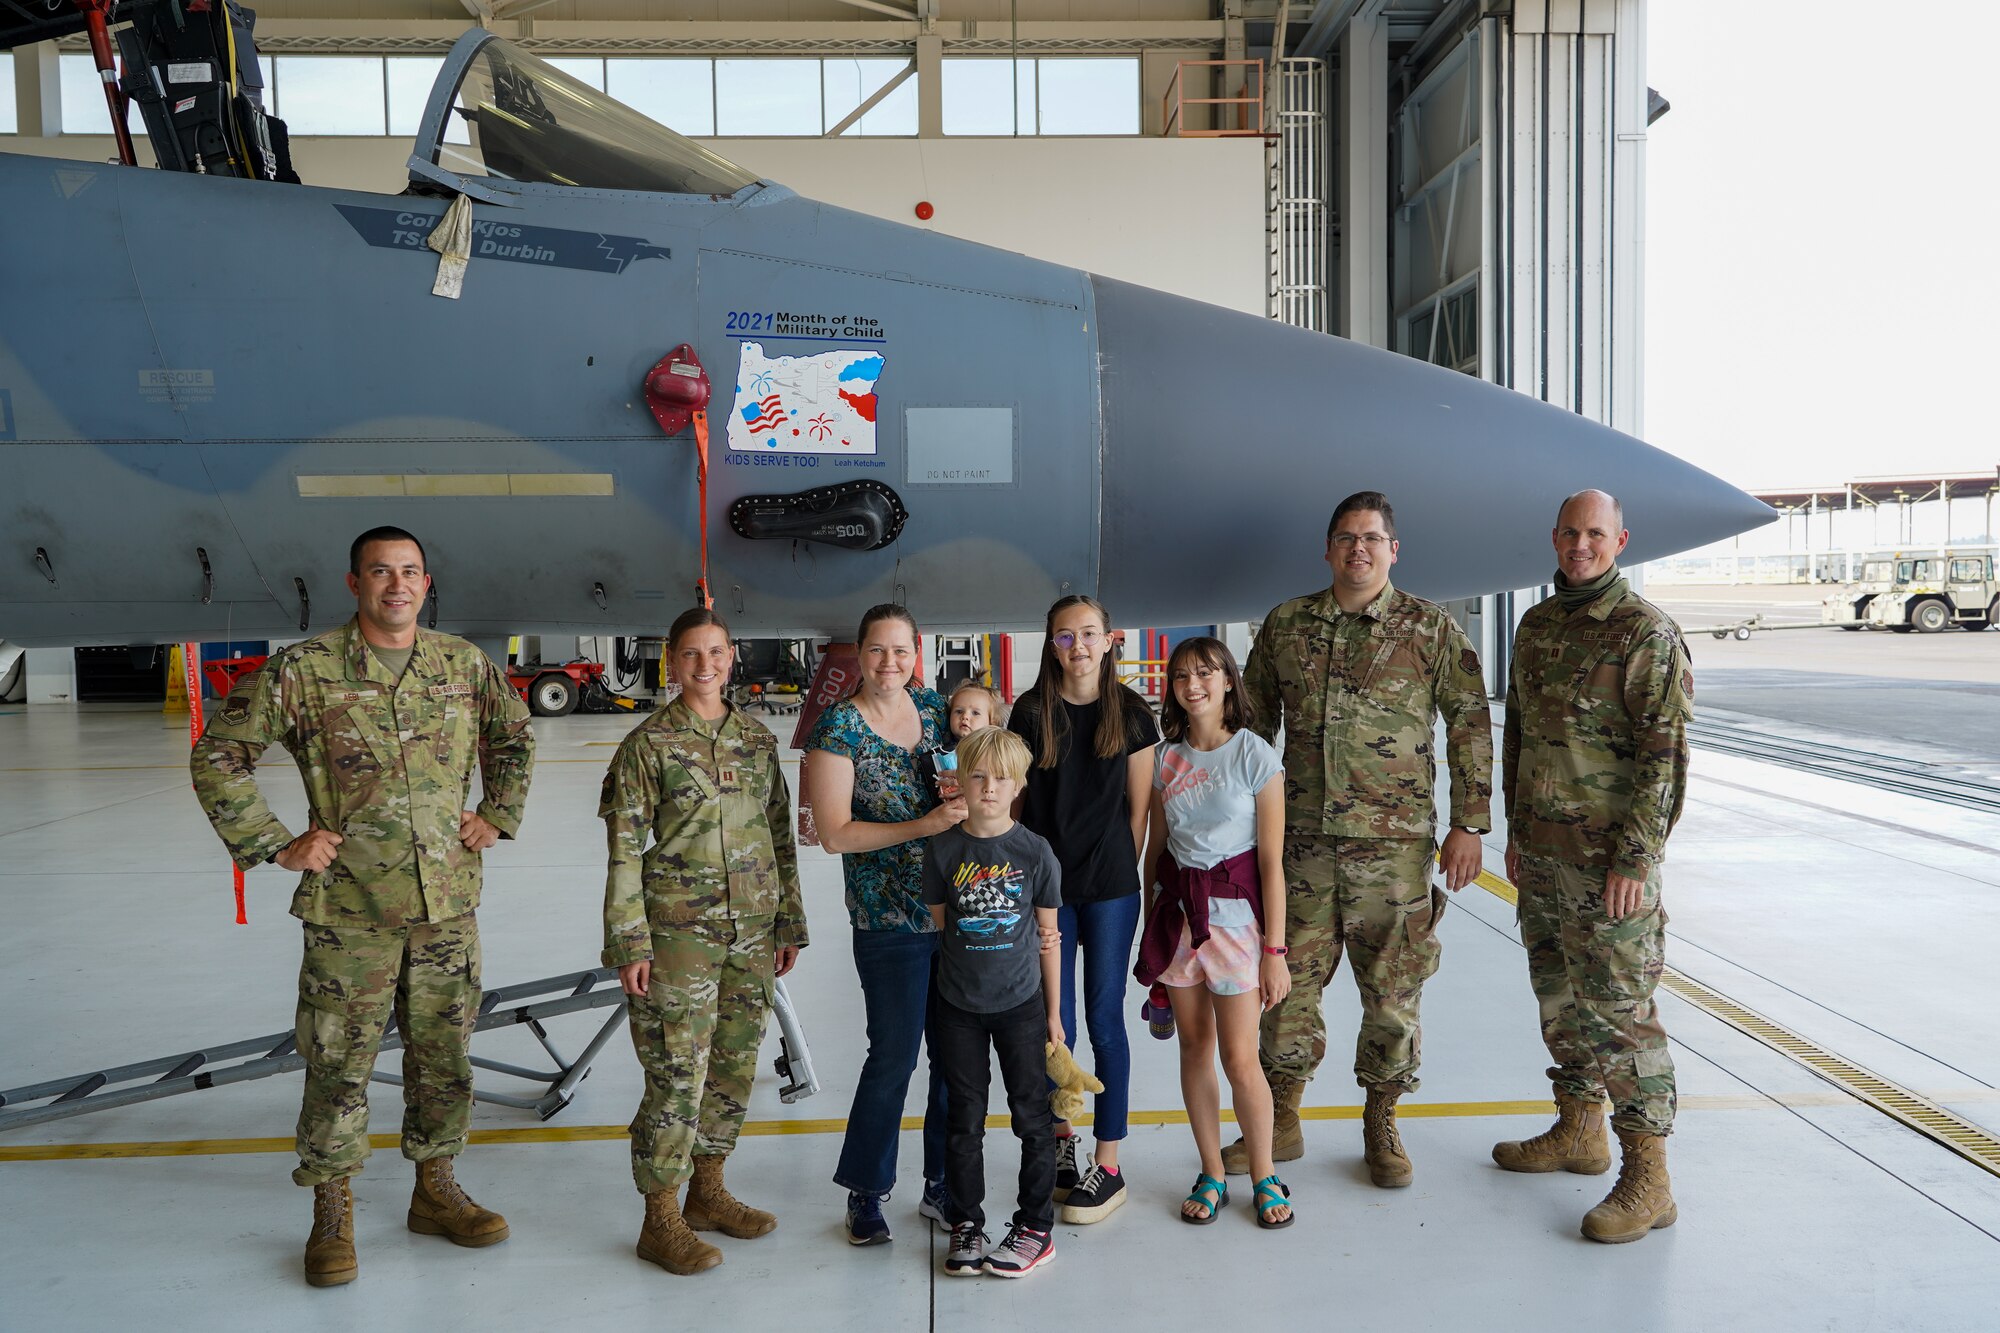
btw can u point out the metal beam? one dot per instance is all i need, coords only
(876, 6)
(896, 81)
(1329, 17)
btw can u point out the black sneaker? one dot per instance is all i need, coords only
(1096, 1196)
(967, 1256)
(935, 1203)
(865, 1223)
(1021, 1252)
(1066, 1173)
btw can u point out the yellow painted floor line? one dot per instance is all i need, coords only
(535, 1134)
(1973, 1142)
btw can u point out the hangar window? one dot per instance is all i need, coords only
(584, 69)
(409, 81)
(83, 108)
(678, 93)
(768, 98)
(1049, 96)
(847, 82)
(7, 122)
(329, 95)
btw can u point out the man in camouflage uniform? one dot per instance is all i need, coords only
(1593, 769)
(386, 723)
(1357, 675)
(698, 924)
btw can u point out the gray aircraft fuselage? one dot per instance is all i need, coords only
(259, 371)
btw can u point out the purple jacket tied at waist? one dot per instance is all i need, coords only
(1184, 897)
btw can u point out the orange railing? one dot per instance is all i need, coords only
(1249, 108)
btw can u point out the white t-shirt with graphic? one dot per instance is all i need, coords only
(1211, 804)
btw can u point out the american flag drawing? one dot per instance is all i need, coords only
(765, 414)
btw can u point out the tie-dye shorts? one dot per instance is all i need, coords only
(1226, 962)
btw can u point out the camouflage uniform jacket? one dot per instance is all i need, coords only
(387, 765)
(1358, 696)
(714, 799)
(1594, 761)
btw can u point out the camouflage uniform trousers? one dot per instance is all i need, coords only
(1595, 979)
(697, 1032)
(352, 979)
(1372, 897)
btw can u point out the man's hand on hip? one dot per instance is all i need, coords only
(475, 832)
(312, 850)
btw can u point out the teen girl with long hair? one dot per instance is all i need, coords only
(1092, 741)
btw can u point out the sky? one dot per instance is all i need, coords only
(1821, 290)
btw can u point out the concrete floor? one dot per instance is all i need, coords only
(1800, 1207)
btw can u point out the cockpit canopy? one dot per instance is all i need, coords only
(498, 112)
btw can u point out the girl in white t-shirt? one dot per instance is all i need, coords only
(1215, 911)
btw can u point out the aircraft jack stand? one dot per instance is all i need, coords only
(261, 1057)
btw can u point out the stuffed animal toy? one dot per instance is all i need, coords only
(1071, 1081)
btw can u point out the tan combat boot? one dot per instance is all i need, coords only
(666, 1240)
(330, 1258)
(438, 1207)
(1643, 1198)
(1388, 1164)
(1576, 1142)
(711, 1207)
(1288, 1138)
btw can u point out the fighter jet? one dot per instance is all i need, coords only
(590, 362)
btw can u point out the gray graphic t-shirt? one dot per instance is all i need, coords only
(1211, 803)
(990, 888)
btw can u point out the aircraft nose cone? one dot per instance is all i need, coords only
(1228, 440)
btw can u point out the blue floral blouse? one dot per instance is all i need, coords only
(891, 786)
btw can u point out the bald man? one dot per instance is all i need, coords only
(1593, 769)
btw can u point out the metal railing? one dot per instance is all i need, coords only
(1249, 113)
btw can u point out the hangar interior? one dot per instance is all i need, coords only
(1459, 181)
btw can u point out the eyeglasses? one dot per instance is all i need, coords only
(1372, 540)
(1090, 638)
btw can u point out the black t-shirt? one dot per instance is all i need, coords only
(989, 889)
(1080, 804)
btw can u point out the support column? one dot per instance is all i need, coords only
(1565, 185)
(37, 91)
(1362, 178)
(930, 87)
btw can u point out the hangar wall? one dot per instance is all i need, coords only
(1183, 215)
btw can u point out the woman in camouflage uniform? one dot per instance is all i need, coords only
(698, 925)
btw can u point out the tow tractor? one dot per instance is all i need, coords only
(554, 690)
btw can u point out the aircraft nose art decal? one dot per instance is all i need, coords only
(818, 404)
(546, 247)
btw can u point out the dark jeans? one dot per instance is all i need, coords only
(898, 971)
(1105, 931)
(959, 1045)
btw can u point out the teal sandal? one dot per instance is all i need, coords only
(1273, 1193)
(1211, 1194)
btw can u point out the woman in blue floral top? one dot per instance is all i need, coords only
(873, 802)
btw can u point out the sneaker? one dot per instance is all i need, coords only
(1022, 1251)
(1066, 1173)
(934, 1201)
(1158, 1011)
(865, 1223)
(1099, 1194)
(967, 1256)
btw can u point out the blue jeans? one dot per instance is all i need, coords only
(898, 971)
(1105, 930)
